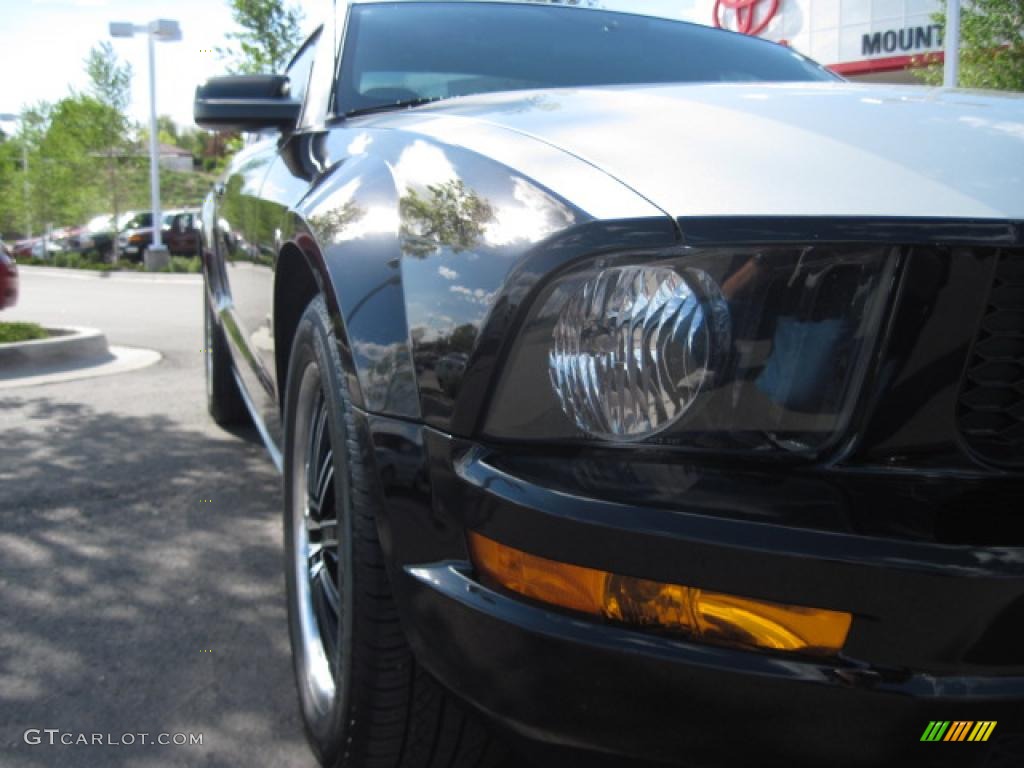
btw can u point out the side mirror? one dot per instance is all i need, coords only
(246, 103)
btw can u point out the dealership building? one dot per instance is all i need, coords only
(873, 40)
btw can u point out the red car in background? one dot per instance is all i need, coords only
(179, 233)
(8, 279)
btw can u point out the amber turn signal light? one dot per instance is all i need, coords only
(703, 615)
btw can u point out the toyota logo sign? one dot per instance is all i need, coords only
(749, 17)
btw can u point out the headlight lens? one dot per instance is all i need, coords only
(754, 349)
(634, 346)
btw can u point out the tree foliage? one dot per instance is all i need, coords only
(270, 33)
(110, 80)
(66, 144)
(991, 46)
(110, 83)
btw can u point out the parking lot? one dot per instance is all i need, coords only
(141, 590)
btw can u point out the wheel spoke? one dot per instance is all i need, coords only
(318, 526)
(315, 551)
(326, 477)
(318, 433)
(318, 553)
(330, 593)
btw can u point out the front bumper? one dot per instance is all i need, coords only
(936, 635)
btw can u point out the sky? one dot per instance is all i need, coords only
(45, 42)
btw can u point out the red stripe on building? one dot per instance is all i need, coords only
(888, 64)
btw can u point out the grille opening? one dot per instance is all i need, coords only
(991, 407)
(1001, 645)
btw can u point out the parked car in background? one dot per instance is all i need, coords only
(711, 364)
(178, 233)
(137, 233)
(182, 234)
(68, 237)
(8, 278)
(36, 248)
(98, 234)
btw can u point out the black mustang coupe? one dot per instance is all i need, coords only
(643, 392)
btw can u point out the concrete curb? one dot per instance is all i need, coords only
(71, 345)
(118, 360)
(168, 278)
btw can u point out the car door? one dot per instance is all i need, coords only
(248, 230)
(234, 233)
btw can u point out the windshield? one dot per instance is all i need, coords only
(137, 221)
(404, 53)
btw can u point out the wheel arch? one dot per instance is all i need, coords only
(300, 276)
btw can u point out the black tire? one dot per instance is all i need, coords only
(223, 399)
(384, 711)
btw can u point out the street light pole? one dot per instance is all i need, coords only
(154, 151)
(162, 30)
(951, 67)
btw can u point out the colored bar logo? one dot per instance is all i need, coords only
(958, 730)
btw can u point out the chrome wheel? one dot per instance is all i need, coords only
(315, 540)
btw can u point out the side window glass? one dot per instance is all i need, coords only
(298, 71)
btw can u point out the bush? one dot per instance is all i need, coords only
(92, 261)
(11, 332)
(70, 260)
(183, 264)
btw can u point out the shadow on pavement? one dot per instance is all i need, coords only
(141, 591)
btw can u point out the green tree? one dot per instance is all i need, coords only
(62, 168)
(991, 46)
(270, 33)
(110, 80)
(110, 85)
(452, 216)
(12, 216)
(16, 196)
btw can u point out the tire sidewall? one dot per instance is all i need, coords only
(314, 344)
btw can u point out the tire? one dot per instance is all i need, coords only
(365, 702)
(223, 399)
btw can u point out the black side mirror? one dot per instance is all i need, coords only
(246, 103)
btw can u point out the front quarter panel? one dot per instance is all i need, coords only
(422, 241)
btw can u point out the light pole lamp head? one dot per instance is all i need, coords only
(165, 30)
(122, 29)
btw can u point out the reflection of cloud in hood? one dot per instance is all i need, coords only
(421, 164)
(360, 144)
(1014, 129)
(447, 274)
(537, 216)
(372, 351)
(478, 296)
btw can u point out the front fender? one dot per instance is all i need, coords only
(428, 250)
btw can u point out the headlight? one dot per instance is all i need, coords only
(633, 347)
(717, 349)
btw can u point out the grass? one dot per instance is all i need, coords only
(87, 261)
(12, 332)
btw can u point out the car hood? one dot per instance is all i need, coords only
(820, 149)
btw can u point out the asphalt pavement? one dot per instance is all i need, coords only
(141, 588)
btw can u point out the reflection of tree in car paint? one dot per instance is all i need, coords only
(450, 216)
(331, 225)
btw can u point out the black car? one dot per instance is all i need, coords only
(643, 392)
(98, 234)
